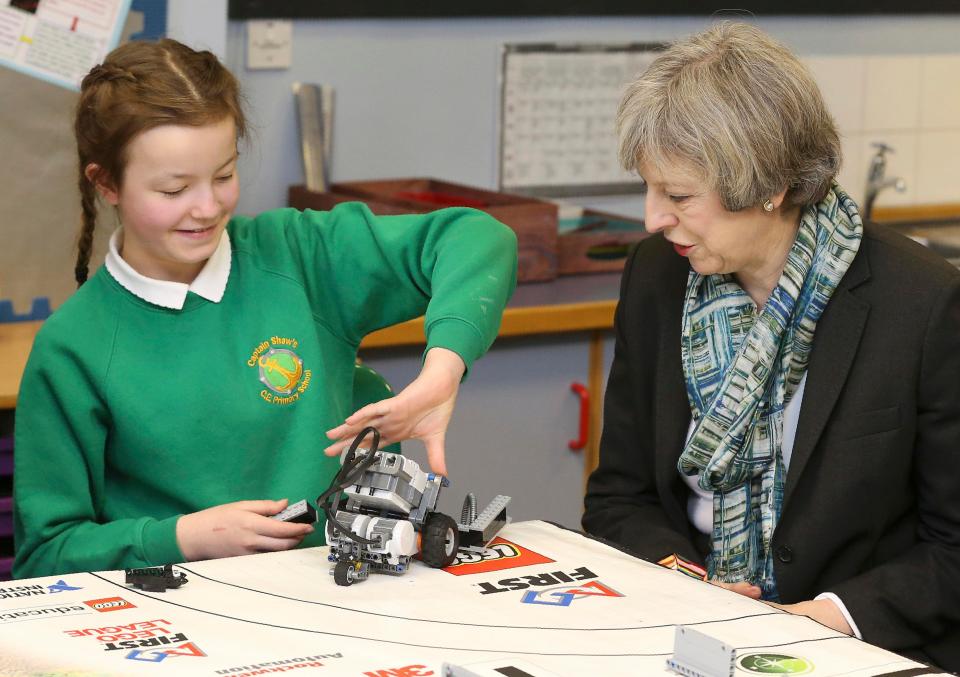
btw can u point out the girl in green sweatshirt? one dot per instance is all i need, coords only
(199, 374)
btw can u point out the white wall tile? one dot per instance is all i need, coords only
(938, 167)
(853, 170)
(892, 93)
(902, 163)
(940, 92)
(841, 80)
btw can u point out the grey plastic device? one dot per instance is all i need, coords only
(696, 654)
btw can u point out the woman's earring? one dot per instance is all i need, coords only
(767, 206)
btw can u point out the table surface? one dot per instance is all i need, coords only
(542, 599)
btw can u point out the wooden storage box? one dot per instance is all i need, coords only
(534, 221)
(596, 242)
(301, 198)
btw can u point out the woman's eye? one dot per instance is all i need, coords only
(678, 198)
(172, 193)
(225, 178)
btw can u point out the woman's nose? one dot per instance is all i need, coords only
(658, 214)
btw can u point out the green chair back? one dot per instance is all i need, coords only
(369, 386)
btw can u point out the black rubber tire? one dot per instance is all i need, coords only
(440, 540)
(343, 573)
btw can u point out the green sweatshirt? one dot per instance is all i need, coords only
(130, 414)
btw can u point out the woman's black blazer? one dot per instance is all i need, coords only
(872, 498)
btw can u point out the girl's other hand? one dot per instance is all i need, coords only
(420, 411)
(241, 528)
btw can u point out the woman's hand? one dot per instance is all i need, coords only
(741, 588)
(823, 611)
(241, 528)
(420, 411)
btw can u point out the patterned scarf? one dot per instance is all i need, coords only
(741, 369)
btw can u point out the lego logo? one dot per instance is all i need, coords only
(499, 555)
(109, 604)
(495, 551)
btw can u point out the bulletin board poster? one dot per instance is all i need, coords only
(59, 40)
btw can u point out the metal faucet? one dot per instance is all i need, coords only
(876, 181)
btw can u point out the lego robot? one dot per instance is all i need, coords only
(381, 512)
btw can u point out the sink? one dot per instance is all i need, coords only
(940, 235)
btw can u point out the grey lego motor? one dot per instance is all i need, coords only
(381, 512)
(376, 506)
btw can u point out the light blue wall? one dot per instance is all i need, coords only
(420, 97)
(202, 25)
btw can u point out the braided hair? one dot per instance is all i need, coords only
(140, 86)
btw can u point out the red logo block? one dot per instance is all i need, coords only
(500, 554)
(109, 604)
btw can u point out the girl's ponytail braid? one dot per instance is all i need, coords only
(88, 206)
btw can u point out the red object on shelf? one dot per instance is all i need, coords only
(534, 221)
(442, 199)
(584, 395)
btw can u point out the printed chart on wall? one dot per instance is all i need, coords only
(540, 601)
(59, 40)
(558, 108)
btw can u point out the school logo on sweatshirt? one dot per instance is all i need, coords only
(280, 370)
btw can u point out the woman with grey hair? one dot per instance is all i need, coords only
(784, 401)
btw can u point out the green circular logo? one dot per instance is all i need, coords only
(774, 664)
(280, 370)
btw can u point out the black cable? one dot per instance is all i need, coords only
(350, 471)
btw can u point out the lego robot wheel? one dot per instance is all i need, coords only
(344, 573)
(441, 538)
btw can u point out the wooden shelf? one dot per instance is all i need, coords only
(16, 339)
(916, 212)
(516, 322)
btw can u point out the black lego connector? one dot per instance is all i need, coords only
(155, 579)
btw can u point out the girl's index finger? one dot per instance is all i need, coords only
(369, 412)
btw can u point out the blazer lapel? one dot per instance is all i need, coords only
(834, 348)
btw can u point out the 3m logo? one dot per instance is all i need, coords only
(500, 554)
(406, 671)
(109, 604)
